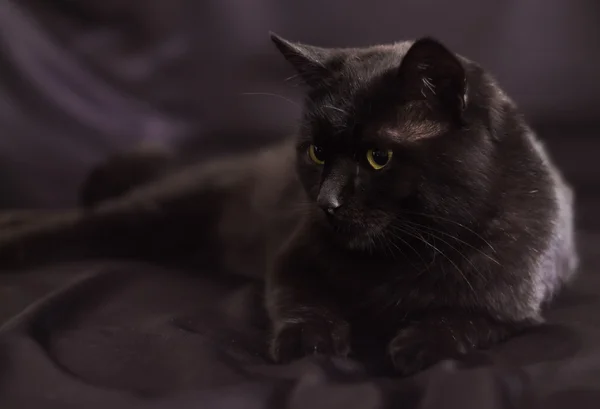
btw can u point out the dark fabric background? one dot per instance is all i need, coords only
(80, 80)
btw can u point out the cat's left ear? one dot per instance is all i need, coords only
(310, 62)
(431, 72)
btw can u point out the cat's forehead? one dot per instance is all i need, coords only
(402, 125)
(353, 107)
(353, 74)
(355, 68)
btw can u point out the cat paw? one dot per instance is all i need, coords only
(296, 340)
(448, 335)
(414, 349)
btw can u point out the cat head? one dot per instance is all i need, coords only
(389, 131)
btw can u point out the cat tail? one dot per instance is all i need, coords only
(170, 217)
(125, 171)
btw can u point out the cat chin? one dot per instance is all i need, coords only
(357, 238)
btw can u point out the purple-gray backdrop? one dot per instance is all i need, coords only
(81, 79)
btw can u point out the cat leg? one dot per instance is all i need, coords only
(305, 317)
(447, 334)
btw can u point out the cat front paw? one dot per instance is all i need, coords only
(294, 340)
(415, 348)
(448, 335)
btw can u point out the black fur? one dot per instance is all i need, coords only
(439, 252)
(454, 245)
(123, 172)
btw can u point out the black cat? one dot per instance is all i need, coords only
(443, 226)
(415, 208)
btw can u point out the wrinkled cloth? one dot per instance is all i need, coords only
(132, 335)
(81, 80)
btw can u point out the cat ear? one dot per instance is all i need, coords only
(430, 71)
(308, 61)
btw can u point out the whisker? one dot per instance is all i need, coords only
(387, 301)
(407, 244)
(268, 94)
(384, 246)
(442, 254)
(453, 222)
(460, 253)
(370, 245)
(391, 244)
(453, 237)
(335, 109)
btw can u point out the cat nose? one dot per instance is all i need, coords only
(329, 203)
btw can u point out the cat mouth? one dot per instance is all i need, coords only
(341, 227)
(352, 230)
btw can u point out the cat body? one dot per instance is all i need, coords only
(453, 240)
(414, 207)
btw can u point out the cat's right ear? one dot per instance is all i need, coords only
(310, 62)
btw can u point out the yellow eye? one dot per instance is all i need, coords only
(378, 159)
(316, 154)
